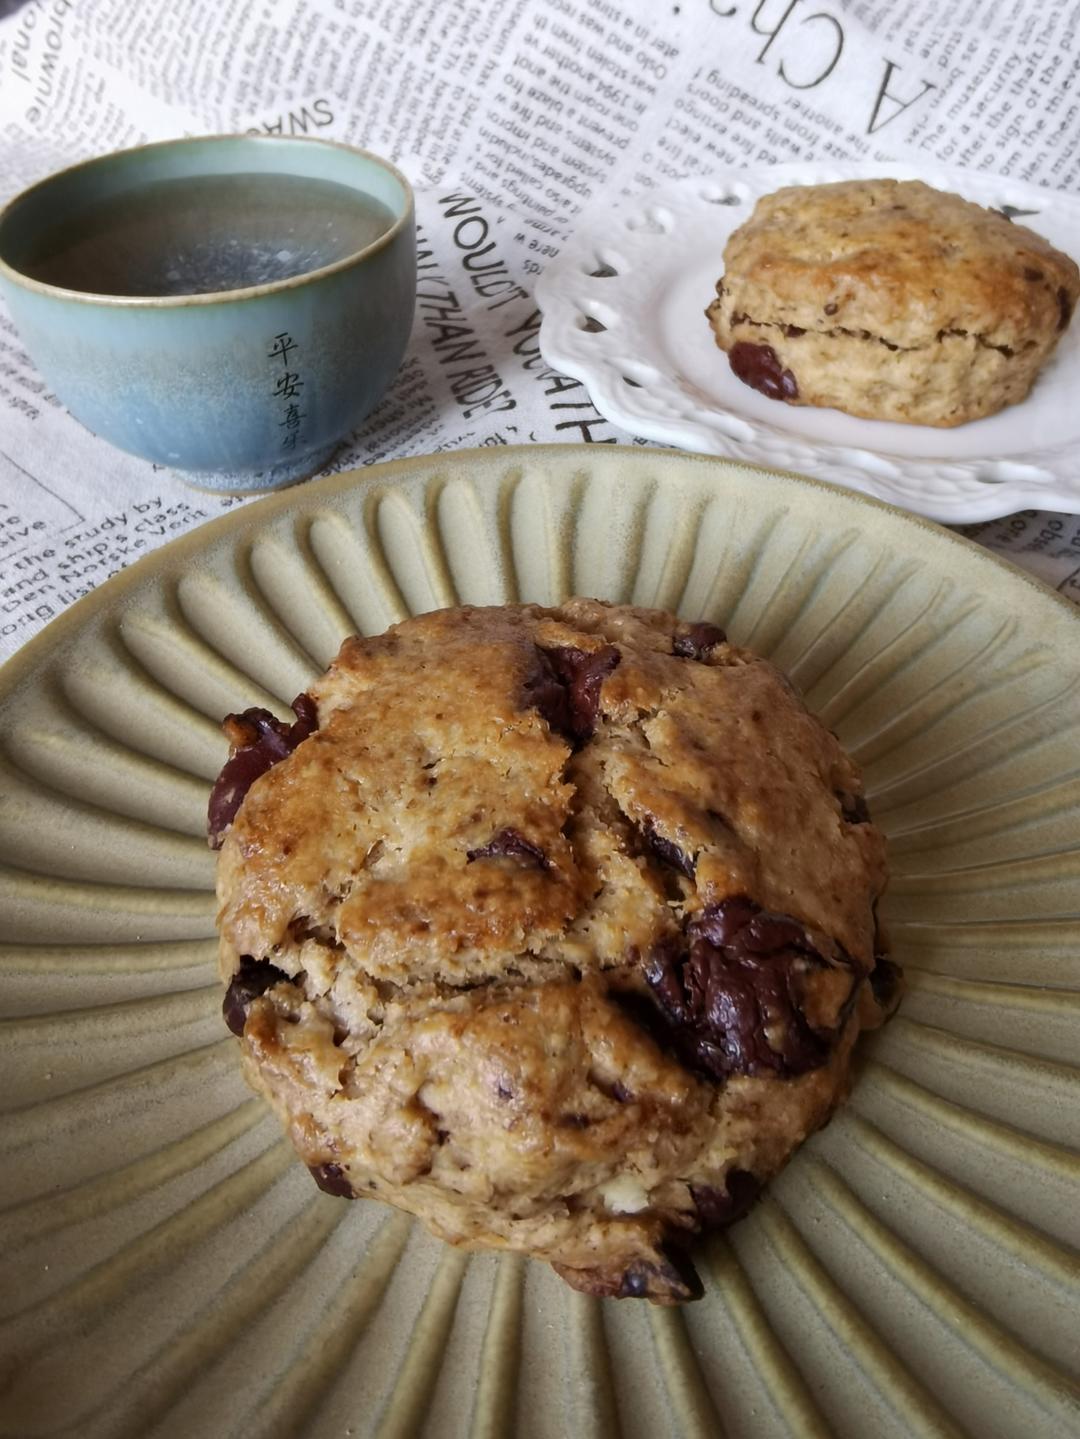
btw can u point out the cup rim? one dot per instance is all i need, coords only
(211, 297)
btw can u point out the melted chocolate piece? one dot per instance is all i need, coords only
(566, 688)
(1064, 307)
(673, 1280)
(729, 993)
(1032, 274)
(259, 740)
(718, 1208)
(254, 977)
(831, 308)
(511, 844)
(669, 1279)
(668, 851)
(885, 980)
(854, 809)
(759, 367)
(697, 641)
(544, 691)
(332, 1179)
(634, 1283)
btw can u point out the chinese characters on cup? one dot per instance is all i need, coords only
(287, 387)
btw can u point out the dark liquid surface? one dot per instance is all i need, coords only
(206, 234)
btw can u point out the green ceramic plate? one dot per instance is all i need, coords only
(167, 1270)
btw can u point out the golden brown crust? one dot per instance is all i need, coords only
(912, 304)
(461, 900)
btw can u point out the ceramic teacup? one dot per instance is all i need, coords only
(229, 307)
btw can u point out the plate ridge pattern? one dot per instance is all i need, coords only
(957, 680)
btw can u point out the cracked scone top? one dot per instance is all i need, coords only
(890, 300)
(554, 927)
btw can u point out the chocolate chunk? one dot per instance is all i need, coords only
(698, 641)
(729, 992)
(668, 851)
(854, 808)
(671, 1280)
(254, 977)
(510, 844)
(831, 308)
(718, 1208)
(544, 691)
(634, 1283)
(584, 674)
(668, 1279)
(566, 688)
(1064, 307)
(614, 1090)
(793, 332)
(885, 982)
(259, 740)
(1033, 275)
(332, 1179)
(759, 367)
(722, 923)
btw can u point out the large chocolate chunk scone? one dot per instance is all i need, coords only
(890, 300)
(554, 927)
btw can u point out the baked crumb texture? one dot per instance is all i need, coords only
(556, 931)
(890, 300)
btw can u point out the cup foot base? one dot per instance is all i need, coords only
(257, 482)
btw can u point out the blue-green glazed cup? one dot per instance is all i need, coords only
(240, 389)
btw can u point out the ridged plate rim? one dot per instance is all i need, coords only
(251, 517)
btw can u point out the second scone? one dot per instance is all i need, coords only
(554, 927)
(890, 300)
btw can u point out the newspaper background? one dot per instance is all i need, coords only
(509, 116)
